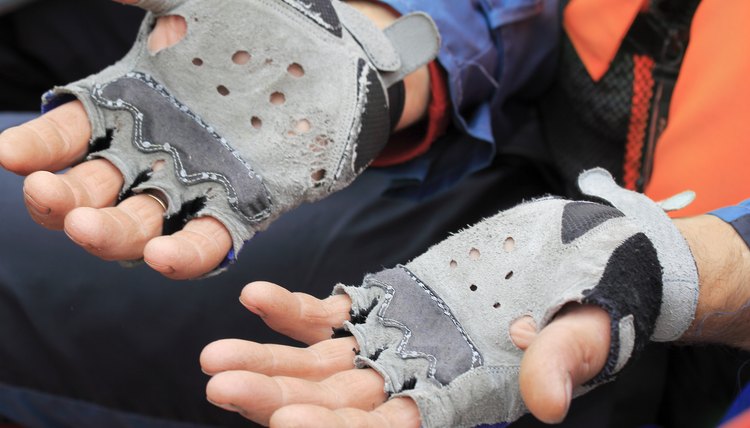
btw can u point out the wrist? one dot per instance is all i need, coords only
(723, 262)
(417, 83)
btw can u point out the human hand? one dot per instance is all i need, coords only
(319, 386)
(113, 203)
(439, 330)
(723, 259)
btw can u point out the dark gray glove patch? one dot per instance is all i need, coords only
(450, 356)
(199, 153)
(581, 217)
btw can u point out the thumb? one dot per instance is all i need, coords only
(568, 352)
(158, 7)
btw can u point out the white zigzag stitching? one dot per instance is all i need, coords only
(476, 359)
(182, 173)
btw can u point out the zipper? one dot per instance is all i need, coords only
(666, 69)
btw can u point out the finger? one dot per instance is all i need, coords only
(169, 30)
(568, 352)
(297, 315)
(51, 142)
(197, 249)
(397, 413)
(316, 362)
(50, 197)
(116, 233)
(523, 332)
(155, 6)
(258, 396)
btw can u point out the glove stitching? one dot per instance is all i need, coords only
(146, 146)
(476, 360)
(356, 125)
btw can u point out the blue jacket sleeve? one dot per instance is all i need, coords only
(739, 217)
(498, 55)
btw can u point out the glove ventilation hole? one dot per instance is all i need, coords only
(473, 287)
(295, 70)
(509, 244)
(453, 264)
(158, 165)
(277, 98)
(474, 254)
(241, 57)
(223, 90)
(320, 143)
(256, 122)
(302, 126)
(197, 62)
(319, 175)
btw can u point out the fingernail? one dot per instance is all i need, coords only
(568, 393)
(160, 268)
(3, 143)
(252, 308)
(79, 243)
(229, 407)
(38, 209)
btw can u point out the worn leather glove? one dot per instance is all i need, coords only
(437, 329)
(265, 104)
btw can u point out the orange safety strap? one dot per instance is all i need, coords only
(643, 91)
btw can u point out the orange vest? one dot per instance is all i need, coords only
(706, 144)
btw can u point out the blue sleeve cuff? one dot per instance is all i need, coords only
(740, 405)
(497, 54)
(739, 217)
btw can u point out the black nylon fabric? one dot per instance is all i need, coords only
(376, 121)
(585, 123)
(580, 217)
(631, 284)
(320, 10)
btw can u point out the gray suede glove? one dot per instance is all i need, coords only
(437, 329)
(244, 140)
